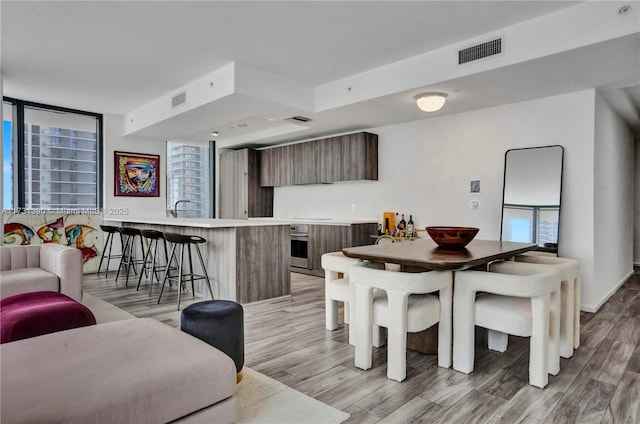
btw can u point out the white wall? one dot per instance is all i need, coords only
(425, 167)
(139, 207)
(613, 206)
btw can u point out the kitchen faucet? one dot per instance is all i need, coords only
(174, 212)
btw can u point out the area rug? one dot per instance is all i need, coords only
(261, 399)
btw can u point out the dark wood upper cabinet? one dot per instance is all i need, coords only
(241, 195)
(341, 158)
(276, 167)
(305, 163)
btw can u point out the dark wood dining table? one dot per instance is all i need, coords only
(425, 254)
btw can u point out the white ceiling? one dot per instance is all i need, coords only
(116, 56)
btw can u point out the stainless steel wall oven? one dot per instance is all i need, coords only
(299, 245)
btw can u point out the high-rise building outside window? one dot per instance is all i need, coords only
(57, 158)
(190, 178)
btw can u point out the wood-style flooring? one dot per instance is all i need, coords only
(285, 339)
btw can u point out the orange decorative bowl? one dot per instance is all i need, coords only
(453, 238)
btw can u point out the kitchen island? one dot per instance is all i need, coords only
(247, 261)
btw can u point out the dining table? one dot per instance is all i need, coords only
(425, 254)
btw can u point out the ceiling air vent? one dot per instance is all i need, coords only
(480, 51)
(298, 118)
(178, 99)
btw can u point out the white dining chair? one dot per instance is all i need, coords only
(337, 288)
(412, 302)
(570, 298)
(518, 299)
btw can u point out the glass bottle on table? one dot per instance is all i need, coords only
(402, 227)
(410, 227)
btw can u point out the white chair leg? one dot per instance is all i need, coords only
(463, 330)
(566, 319)
(444, 328)
(397, 336)
(554, 333)
(379, 336)
(331, 314)
(539, 343)
(498, 341)
(331, 306)
(364, 322)
(576, 316)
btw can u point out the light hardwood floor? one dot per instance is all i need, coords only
(285, 339)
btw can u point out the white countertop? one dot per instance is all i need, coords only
(197, 222)
(317, 221)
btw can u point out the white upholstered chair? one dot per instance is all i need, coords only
(337, 288)
(406, 307)
(570, 298)
(517, 299)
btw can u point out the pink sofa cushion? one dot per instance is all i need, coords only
(17, 281)
(36, 313)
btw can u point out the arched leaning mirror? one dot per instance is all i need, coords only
(531, 196)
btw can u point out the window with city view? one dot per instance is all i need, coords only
(54, 163)
(189, 179)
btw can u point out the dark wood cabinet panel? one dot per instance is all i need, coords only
(334, 238)
(342, 158)
(276, 167)
(241, 195)
(358, 156)
(262, 262)
(331, 161)
(326, 238)
(305, 163)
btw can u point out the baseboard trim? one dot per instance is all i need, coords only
(593, 309)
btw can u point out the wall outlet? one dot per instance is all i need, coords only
(353, 207)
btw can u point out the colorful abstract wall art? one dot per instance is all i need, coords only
(137, 174)
(81, 231)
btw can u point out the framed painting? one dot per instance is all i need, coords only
(137, 174)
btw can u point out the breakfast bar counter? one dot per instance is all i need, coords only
(247, 261)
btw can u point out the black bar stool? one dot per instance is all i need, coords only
(110, 231)
(128, 258)
(182, 241)
(150, 261)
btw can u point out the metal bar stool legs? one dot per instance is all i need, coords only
(111, 231)
(128, 259)
(184, 242)
(150, 261)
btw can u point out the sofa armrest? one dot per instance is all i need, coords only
(66, 263)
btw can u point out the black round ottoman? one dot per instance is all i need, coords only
(219, 323)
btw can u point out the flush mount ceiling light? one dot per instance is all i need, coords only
(431, 102)
(214, 133)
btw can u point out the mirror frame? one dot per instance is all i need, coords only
(504, 184)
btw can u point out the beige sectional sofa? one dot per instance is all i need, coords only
(132, 371)
(49, 267)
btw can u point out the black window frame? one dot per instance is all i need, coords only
(19, 144)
